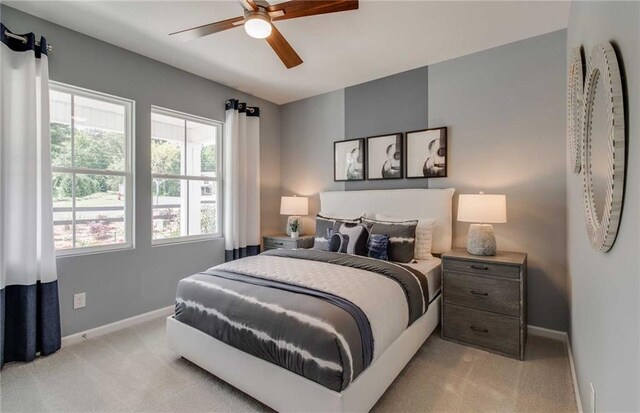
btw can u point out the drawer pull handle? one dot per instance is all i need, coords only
(479, 330)
(477, 293)
(278, 243)
(480, 267)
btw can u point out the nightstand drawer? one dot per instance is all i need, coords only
(279, 243)
(484, 293)
(474, 267)
(271, 242)
(480, 328)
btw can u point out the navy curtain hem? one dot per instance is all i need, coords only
(248, 251)
(29, 321)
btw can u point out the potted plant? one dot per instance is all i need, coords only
(294, 226)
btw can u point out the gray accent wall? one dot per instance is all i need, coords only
(127, 283)
(505, 110)
(605, 288)
(309, 128)
(393, 104)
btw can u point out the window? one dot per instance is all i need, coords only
(185, 166)
(91, 157)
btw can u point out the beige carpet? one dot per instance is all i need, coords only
(132, 370)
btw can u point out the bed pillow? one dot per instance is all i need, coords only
(324, 231)
(344, 217)
(402, 237)
(338, 243)
(356, 238)
(377, 246)
(424, 235)
(325, 228)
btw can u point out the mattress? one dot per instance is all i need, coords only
(323, 315)
(432, 269)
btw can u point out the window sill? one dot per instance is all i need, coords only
(185, 240)
(76, 252)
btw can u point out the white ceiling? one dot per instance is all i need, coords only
(339, 50)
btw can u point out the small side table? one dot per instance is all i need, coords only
(284, 241)
(485, 301)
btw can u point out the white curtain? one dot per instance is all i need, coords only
(241, 180)
(29, 309)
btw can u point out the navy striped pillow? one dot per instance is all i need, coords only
(377, 246)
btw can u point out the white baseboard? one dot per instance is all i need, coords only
(545, 332)
(118, 325)
(574, 376)
(564, 337)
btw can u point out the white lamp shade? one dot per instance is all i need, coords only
(482, 208)
(294, 205)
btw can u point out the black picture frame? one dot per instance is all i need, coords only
(424, 153)
(381, 161)
(341, 172)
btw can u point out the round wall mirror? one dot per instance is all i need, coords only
(603, 149)
(575, 99)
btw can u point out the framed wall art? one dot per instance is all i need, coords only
(427, 153)
(348, 160)
(384, 157)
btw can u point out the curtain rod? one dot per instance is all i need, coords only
(24, 39)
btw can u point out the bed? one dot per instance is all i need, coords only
(308, 330)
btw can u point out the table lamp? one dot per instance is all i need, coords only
(482, 210)
(294, 206)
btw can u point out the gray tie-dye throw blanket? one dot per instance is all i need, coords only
(323, 315)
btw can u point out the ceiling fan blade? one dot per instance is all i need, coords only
(283, 49)
(249, 4)
(303, 8)
(208, 29)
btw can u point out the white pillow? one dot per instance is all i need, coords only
(424, 235)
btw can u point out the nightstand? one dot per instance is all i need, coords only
(272, 242)
(484, 301)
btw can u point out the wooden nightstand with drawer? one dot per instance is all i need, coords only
(484, 301)
(272, 242)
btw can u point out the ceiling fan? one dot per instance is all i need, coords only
(258, 20)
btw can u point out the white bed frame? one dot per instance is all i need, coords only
(286, 391)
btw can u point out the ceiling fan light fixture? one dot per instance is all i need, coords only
(258, 25)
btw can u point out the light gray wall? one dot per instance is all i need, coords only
(505, 110)
(605, 288)
(126, 283)
(506, 122)
(392, 104)
(309, 128)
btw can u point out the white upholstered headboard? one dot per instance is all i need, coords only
(400, 203)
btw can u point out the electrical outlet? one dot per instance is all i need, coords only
(79, 300)
(593, 398)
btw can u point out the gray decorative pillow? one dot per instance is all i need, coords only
(402, 237)
(324, 231)
(339, 243)
(325, 228)
(356, 236)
